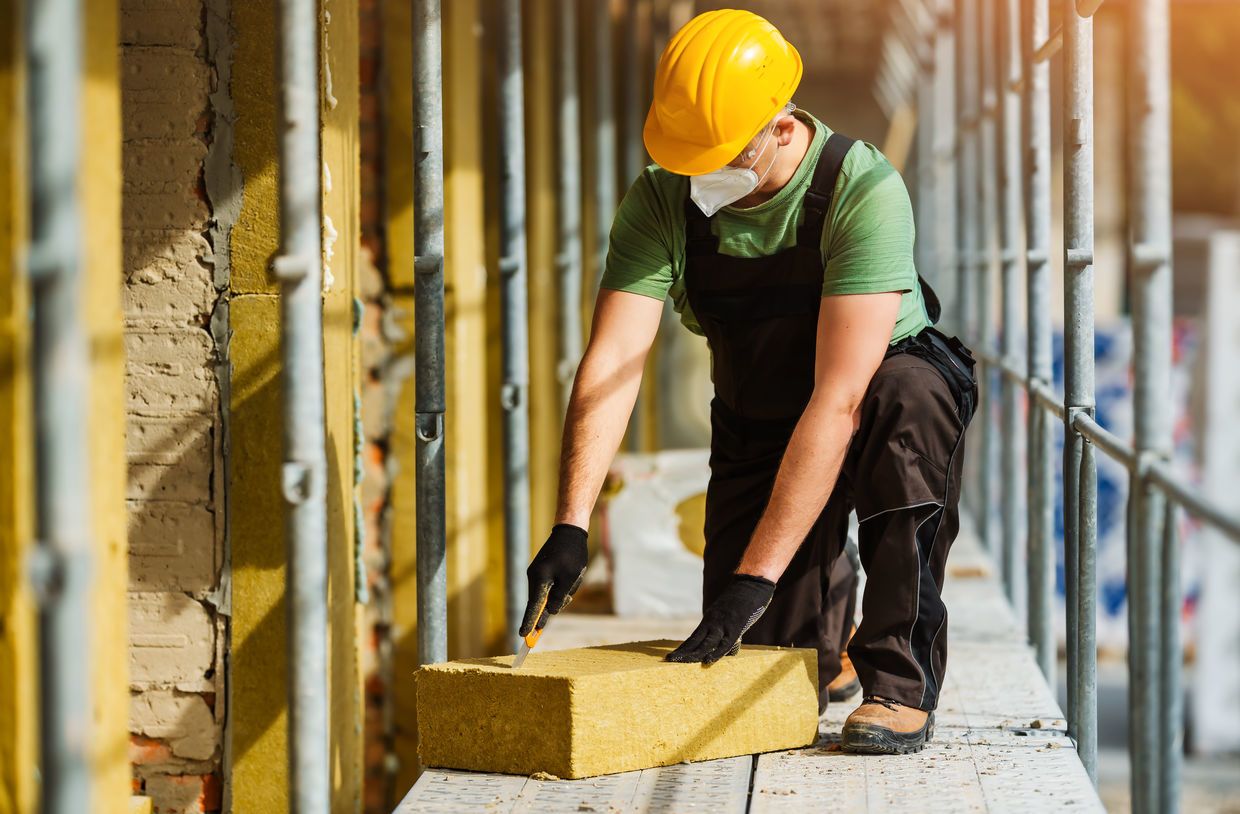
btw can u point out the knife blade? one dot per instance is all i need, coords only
(529, 640)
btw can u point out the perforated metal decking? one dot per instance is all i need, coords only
(999, 745)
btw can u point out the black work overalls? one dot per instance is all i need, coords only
(901, 472)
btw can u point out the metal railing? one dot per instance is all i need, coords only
(62, 560)
(1008, 100)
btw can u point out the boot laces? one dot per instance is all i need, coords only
(886, 702)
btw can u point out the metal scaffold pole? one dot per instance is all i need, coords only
(1154, 681)
(926, 250)
(568, 260)
(61, 566)
(515, 315)
(1041, 475)
(946, 205)
(299, 269)
(634, 152)
(1078, 136)
(983, 271)
(967, 165)
(604, 135)
(1011, 212)
(430, 402)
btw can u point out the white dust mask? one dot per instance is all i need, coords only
(713, 191)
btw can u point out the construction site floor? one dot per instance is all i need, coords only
(999, 743)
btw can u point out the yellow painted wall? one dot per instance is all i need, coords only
(99, 186)
(258, 712)
(342, 365)
(475, 599)
(18, 656)
(257, 707)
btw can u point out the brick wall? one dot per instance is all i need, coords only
(173, 408)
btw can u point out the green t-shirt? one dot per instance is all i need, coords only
(867, 240)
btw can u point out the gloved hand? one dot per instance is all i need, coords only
(726, 620)
(554, 575)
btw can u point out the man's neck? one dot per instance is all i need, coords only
(787, 161)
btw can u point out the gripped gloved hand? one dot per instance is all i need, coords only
(726, 620)
(554, 575)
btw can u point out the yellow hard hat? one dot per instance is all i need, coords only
(721, 79)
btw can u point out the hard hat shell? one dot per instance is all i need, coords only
(721, 79)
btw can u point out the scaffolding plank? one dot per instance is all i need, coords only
(999, 745)
(999, 741)
(714, 785)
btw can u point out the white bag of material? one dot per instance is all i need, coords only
(654, 526)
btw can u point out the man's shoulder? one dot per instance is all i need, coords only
(863, 158)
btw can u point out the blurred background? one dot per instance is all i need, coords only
(180, 221)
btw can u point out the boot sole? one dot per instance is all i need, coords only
(865, 739)
(845, 692)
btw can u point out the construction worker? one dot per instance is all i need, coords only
(790, 248)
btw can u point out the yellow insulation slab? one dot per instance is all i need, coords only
(615, 708)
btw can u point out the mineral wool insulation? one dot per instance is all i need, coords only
(615, 708)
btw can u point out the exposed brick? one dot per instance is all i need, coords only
(171, 642)
(183, 720)
(184, 794)
(171, 547)
(155, 118)
(170, 457)
(170, 73)
(165, 165)
(170, 370)
(162, 22)
(145, 751)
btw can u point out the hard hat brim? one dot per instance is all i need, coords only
(691, 158)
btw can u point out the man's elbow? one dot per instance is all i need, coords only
(838, 403)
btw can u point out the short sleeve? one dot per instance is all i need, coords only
(639, 259)
(869, 247)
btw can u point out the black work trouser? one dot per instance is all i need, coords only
(902, 474)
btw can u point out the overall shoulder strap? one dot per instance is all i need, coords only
(699, 239)
(822, 188)
(818, 206)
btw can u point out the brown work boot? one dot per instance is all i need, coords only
(846, 684)
(881, 726)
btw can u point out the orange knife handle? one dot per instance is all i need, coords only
(531, 638)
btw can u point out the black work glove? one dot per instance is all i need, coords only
(554, 575)
(726, 620)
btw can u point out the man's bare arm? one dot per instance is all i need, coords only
(854, 331)
(604, 392)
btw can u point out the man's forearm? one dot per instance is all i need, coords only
(598, 412)
(804, 483)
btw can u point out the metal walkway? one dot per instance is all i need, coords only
(999, 745)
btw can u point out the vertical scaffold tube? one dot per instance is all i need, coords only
(1172, 711)
(62, 560)
(429, 396)
(1150, 218)
(946, 205)
(634, 152)
(1041, 552)
(1087, 683)
(969, 168)
(515, 313)
(604, 134)
(300, 271)
(1078, 135)
(926, 248)
(1011, 204)
(983, 271)
(568, 259)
